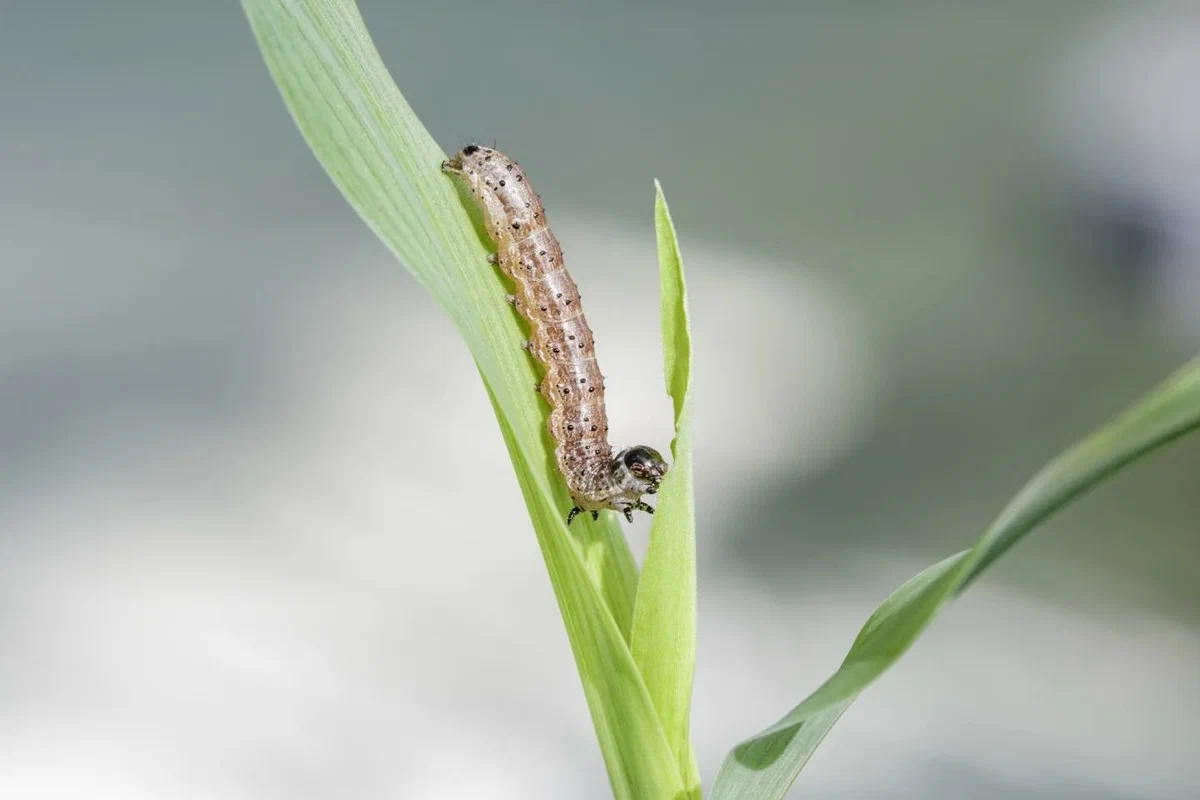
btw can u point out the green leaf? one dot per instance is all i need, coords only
(664, 616)
(388, 166)
(764, 766)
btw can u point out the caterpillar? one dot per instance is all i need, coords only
(528, 253)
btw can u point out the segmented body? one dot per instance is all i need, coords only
(528, 252)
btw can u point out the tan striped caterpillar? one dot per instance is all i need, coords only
(559, 337)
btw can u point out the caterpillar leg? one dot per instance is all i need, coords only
(525, 345)
(576, 511)
(638, 506)
(493, 259)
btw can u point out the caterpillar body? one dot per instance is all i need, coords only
(528, 253)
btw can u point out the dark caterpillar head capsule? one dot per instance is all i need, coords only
(639, 470)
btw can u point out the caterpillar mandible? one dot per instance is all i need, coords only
(560, 339)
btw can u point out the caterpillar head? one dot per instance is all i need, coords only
(639, 470)
(468, 156)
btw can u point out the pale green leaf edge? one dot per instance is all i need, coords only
(764, 766)
(372, 145)
(664, 614)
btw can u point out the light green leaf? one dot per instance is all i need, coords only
(764, 766)
(388, 166)
(664, 616)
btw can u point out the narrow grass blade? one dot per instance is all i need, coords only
(664, 617)
(764, 766)
(388, 166)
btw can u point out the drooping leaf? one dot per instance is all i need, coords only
(764, 766)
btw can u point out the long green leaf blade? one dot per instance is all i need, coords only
(764, 766)
(372, 145)
(664, 616)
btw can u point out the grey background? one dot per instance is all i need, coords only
(245, 462)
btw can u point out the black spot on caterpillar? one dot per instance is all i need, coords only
(528, 252)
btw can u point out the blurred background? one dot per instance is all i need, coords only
(929, 245)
